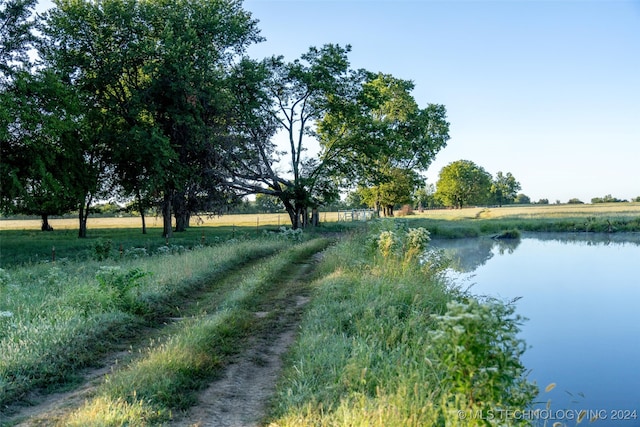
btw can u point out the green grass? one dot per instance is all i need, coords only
(166, 377)
(57, 318)
(386, 342)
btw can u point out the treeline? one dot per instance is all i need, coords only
(158, 104)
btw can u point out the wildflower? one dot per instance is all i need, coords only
(6, 314)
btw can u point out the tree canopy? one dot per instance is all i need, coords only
(463, 183)
(504, 188)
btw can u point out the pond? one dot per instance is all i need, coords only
(581, 295)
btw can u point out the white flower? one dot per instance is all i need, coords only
(6, 314)
(458, 329)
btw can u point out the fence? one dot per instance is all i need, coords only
(357, 215)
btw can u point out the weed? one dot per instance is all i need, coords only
(102, 249)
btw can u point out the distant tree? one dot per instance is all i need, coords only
(462, 183)
(575, 201)
(637, 199)
(504, 188)
(397, 190)
(268, 203)
(354, 200)
(425, 197)
(543, 202)
(606, 199)
(522, 199)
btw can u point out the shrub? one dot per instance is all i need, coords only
(475, 347)
(102, 249)
(113, 280)
(405, 210)
(509, 234)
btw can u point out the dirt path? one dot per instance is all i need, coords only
(237, 398)
(240, 397)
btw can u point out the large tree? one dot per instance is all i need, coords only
(383, 139)
(462, 183)
(154, 77)
(38, 174)
(504, 188)
(369, 128)
(290, 98)
(37, 119)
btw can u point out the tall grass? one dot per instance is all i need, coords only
(63, 316)
(389, 342)
(165, 378)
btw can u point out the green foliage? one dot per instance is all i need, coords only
(397, 188)
(575, 201)
(17, 36)
(475, 347)
(383, 139)
(461, 183)
(606, 199)
(120, 285)
(504, 188)
(102, 249)
(522, 199)
(509, 234)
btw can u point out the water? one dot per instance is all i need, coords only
(581, 295)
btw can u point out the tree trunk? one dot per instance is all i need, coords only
(315, 217)
(167, 230)
(141, 209)
(182, 221)
(181, 212)
(45, 223)
(83, 215)
(293, 215)
(144, 224)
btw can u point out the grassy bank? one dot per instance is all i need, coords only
(387, 341)
(57, 318)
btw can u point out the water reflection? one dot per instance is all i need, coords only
(580, 293)
(466, 255)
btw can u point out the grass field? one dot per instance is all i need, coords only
(537, 211)
(21, 241)
(244, 220)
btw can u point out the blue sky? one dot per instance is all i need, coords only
(546, 90)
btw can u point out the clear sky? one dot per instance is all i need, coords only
(546, 90)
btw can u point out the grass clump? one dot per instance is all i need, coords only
(387, 341)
